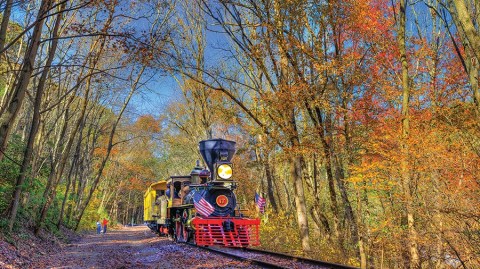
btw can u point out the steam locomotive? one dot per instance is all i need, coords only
(202, 207)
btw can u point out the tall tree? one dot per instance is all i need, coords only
(404, 143)
(5, 20)
(36, 117)
(8, 117)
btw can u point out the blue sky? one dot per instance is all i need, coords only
(156, 97)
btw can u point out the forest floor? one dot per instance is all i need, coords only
(127, 247)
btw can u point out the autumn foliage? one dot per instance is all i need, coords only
(369, 170)
(358, 121)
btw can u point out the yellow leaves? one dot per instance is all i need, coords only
(356, 178)
(372, 176)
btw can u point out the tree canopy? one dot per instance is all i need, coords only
(359, 121)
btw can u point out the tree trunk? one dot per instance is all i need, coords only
(66, 151)
(8, 117)
(319, 217)
(361, 234)
(468, 27)
(110, 144)
(52, 184)
(287, 193)
(316, 116)
(69, 212)
(69, 178)
(102, 201)
(460, 17)
(472, 67)
(5, 21)
(301, 208)
(35, 121)
(277, 189)
(350, 216)
(330, 178)
(269, 177)
(404, 167)
(65, 198)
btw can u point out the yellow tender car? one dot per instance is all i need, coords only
(155, 207)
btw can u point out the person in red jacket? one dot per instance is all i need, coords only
(105, 222)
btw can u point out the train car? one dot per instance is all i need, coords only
(155, 204)
(202, 207)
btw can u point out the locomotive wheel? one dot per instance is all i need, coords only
(185, 233)
(178, 228)
(191, 236)
(171, 232)
(181, 232)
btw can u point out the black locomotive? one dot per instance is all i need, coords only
(202, 206)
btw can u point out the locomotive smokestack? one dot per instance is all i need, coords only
(216, 150)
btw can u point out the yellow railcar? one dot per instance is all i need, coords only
(155, 207)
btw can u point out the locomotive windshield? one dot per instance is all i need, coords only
(177, 186)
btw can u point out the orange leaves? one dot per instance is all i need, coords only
(135, 183)
(369, 17)
(132, 161)
(439, 151)
(100, 152)
(147, 123)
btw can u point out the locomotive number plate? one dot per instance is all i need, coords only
(222, 200)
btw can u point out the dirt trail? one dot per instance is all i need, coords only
(133, 247)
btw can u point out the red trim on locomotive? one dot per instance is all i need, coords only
(211, 231)
(163, 230)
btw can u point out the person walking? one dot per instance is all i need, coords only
(105, 222)
(99, 227)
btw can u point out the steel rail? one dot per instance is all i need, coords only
(272, 265)
(240, 258)
(302, 259)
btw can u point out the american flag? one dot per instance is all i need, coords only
(203, 207)
(260, 202)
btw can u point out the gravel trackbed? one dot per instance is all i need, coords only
(133, 247)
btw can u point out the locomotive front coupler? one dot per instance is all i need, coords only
(228, 226)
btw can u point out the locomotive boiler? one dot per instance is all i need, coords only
(202, 207)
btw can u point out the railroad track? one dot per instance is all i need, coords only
(268, 259)
(302, 259)
(226, 253)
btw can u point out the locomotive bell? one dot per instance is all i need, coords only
(218, 154)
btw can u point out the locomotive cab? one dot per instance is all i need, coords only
(176, 190)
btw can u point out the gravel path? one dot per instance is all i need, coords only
(133, 247)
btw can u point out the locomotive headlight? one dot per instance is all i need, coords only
(224, 171)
